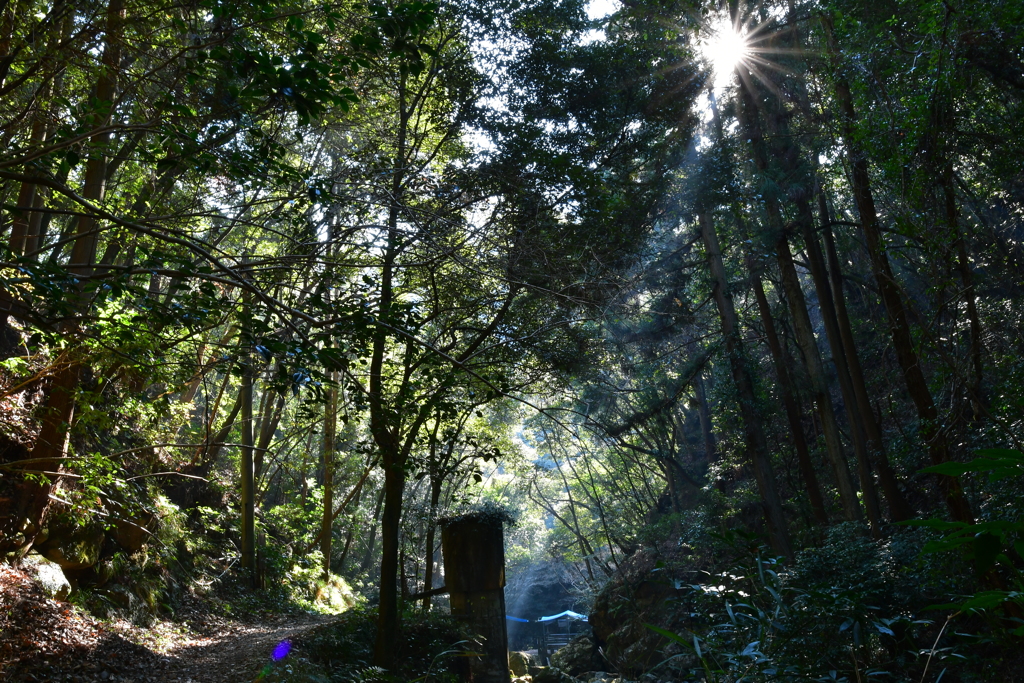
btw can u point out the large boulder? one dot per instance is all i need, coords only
(519, 663)
(79, 549)
(578, 656)
(132, 534)
(48, 575)
(549, 674)
(643, 591)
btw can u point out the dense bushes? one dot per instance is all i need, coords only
(430, 647)
(851, 608)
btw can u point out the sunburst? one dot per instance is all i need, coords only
(734, 46)
(724, 46)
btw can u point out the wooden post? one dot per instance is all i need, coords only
(474, 567)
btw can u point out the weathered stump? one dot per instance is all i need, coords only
(474, 568)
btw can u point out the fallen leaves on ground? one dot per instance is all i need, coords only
(46, 640)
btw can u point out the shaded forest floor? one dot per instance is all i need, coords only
(46, 640)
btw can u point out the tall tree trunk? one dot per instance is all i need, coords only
(51, 445)
(826, 305)
(83, 252)
(787, 388)
(209, 452)
(382, 420)
(330, 439)
(372, 542)
(816, 372)
(349, 535)
(899, 328)
(899, 508)
(21, 240)
(757, 445)
(390, 530)
(27, 231)
(59, 409)
(787, 151)
(271, 418)
(750, 119)
(963, 267)
(704, 414)
(789, 402)
(436, 474)
(428, 555)
(247, 474)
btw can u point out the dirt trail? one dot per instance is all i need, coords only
(233, 655)
(47, 640)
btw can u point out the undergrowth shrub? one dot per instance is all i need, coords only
(430, 647)
(849, 609)
(140, 585)
(306, 584)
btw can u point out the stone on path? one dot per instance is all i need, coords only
(48, 575)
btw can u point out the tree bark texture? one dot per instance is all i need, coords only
(819, 388)
(330, 439)
(753, 431)
(899, 508)
(83, 252)
(970, 297)
(789, 402)
(794, 295)
(51, 446)
(390, 527)
(428, 554)
(247, 476)
(704, 414)
(899, 328)
(827, 307)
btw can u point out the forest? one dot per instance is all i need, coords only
(715, 308)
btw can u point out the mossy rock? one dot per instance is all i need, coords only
(519, 663)
(78, 550)
(549, 674)
(133, 534)
(578, 656)
(48, 575)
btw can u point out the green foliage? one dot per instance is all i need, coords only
(304, 583)
(139, 585)
(843, 607)
(428, 648)
(295, 522)
(452, 210)
(400, 31)
(990, 542)
(486, 511)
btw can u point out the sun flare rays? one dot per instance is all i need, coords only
(724, 47)
(745, 47)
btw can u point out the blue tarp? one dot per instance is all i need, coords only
(567, 613)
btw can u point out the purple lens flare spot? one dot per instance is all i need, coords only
(282, 650)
